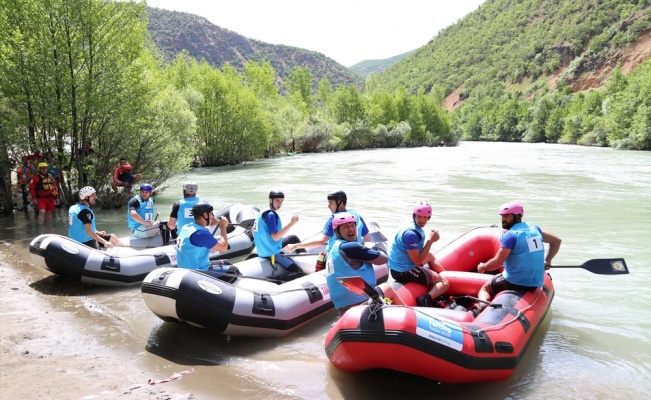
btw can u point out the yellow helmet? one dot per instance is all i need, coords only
(42, 165)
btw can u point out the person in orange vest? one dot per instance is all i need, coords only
(52, 168)
(122, 176)
(25, 172)
(43, 189)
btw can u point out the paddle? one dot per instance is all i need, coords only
(376, 237)
(358, 285)
(601, 266)
(246, 224)
(217, 274)
(488, 303)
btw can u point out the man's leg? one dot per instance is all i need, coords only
(291, 270)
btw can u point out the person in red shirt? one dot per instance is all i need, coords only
(122, 176)
(43, 189)
(25, 171)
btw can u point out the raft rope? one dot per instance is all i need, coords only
(312, 288)
(466, 233)
(133, 387)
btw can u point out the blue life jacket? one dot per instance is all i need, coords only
(337, 266)
(145, 210)
(188, 255)
(264, 243)
(184, 215)
(76, 229)
(399, 259)
(525, 265)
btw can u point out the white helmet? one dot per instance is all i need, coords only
(85, 192)
(190, 187)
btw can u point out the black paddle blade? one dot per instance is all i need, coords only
(359, 286)
(606, 266)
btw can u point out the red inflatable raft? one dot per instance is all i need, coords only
(450, 344)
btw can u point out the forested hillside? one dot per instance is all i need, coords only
(523, 70)
(174, 31)
(520, 70)
(522, 42)
(364, 68)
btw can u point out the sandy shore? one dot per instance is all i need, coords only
(48, 353)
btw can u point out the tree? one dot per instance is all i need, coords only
(72, 71)
(348, 105)
(231, 124)
(299, 86)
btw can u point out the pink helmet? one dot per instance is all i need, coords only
(342, 218)
(423, 209)
(512, 208)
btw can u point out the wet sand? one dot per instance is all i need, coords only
(49, 353)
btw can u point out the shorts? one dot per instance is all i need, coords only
(418, 275)
(45, 203)
(223, 270)
(128, 179)
(92, 243)
(499, 284)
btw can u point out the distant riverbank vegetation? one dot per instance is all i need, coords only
(74, 72)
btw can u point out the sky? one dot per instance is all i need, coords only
(348, 31)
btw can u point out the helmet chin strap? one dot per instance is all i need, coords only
(271, 204)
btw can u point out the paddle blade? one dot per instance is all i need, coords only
(246, 224)
(606, 266)
(358, 286)
(601, 266)
(377, 237)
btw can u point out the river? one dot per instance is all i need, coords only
(595, 342)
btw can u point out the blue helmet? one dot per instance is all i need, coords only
(146, 187)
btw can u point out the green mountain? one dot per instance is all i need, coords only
(173, 32)
(364, 68)
(529, 45)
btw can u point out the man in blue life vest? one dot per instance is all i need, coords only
(140, 213)
(195, 242)
(336, 204)
(81, 222)
(348, 257)
(269, 236)
(521, 252)
(410, 253)
(181, 214)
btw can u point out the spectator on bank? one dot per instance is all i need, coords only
(43, 189)
(53, 169)
(123, 177)
(25, 171)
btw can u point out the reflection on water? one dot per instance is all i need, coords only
(594, 343)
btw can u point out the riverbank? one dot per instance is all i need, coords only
(49, 353)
